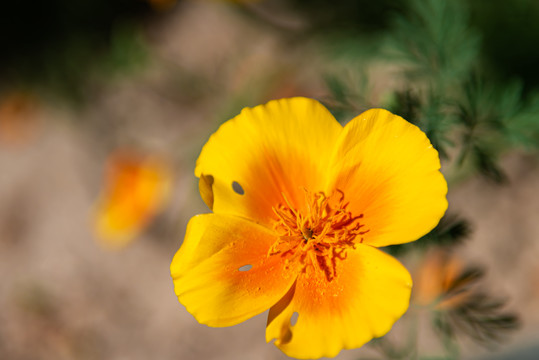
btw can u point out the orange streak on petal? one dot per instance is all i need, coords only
(222, 273)
(280, 147)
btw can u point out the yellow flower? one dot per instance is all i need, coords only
(136, 187)
(300, 206)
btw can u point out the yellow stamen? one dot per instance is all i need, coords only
(320, 236)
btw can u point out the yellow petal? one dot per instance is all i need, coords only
(222, 273)
(369, 293)
(389, 172)
(280, 147)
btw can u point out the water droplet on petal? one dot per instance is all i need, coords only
(245, 267)
(294, 318)
(237, 188)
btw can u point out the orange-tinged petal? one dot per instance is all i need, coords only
(222, 272)
(370, 292)
(280, 147)
(136, 188)
(389, 171)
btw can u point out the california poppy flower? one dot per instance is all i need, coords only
(300, 206)
(136, 188)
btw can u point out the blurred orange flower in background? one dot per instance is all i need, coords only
(136, 188)
(440, 281)
(457, 302)
(18, 118)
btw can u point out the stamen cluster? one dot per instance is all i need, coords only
(321, 236)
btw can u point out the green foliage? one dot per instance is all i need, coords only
(510, 45)
(356, 16)
(478, 315)
(447, 90)
(127, 49)
(434, 41)
(436, 49)
(349, 95)
(493, 119)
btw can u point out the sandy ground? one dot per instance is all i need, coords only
(64, 297)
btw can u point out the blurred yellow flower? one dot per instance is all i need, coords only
(300, 206)
(135, 189)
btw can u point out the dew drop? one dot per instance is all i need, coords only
(294, 318)
(246, 267)
(237, 188)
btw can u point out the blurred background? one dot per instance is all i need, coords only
(105, 105)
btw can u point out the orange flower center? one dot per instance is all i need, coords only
(320, 237)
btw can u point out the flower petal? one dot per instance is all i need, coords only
(280, 147)
(389, 171)
(370, 292)
(222, 272)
